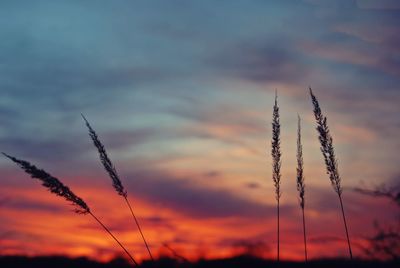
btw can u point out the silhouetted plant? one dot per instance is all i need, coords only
(385, 243)
(55, 186)
(176, 254)
(276, 161)
(328, 153)
(300, 182)
(392, 194)
(112, 172)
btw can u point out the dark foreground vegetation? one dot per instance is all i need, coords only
(235, 262)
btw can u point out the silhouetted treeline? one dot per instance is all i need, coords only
(235, 262)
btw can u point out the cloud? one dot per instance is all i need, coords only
(122, 139)
(174, 81)
(253, 185)
(4, 201)
(224, 122)
(383, 4)
(354, 52)
(355, 134)
(275, 60)
(41, 149)
(26, 204)
(212, 174)
(183, 196)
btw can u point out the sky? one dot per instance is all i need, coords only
(181, 95)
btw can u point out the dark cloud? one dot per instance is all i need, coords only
(70, 147)
(50, 76)
(253, 185)
(122, 139)
(8, 116)
(22, 203)
(326, 239)
(196, 201)
(71, 86)
(384, 4)
(20, 235)
(212, 174)
(125, 224)
(265, 61)
(49, 149)
(156, 220)
(4, 200)
(233, 122)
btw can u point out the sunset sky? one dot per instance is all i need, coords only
(181, 95)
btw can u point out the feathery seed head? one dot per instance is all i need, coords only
(276, 151)
(300, 172)
(105, 160)
(52, 184)
(327, 148)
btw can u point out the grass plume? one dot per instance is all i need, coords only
(276, 161)
(328, 153)
(116, 181)
(53, 184)
(56, 187)
(300, 182)
(105, 160)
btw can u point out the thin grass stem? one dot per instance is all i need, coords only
(305, 237)
(345, 227)
(116, 240)
(138, 225)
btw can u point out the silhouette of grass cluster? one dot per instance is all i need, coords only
(328, 152)
(56, 187)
